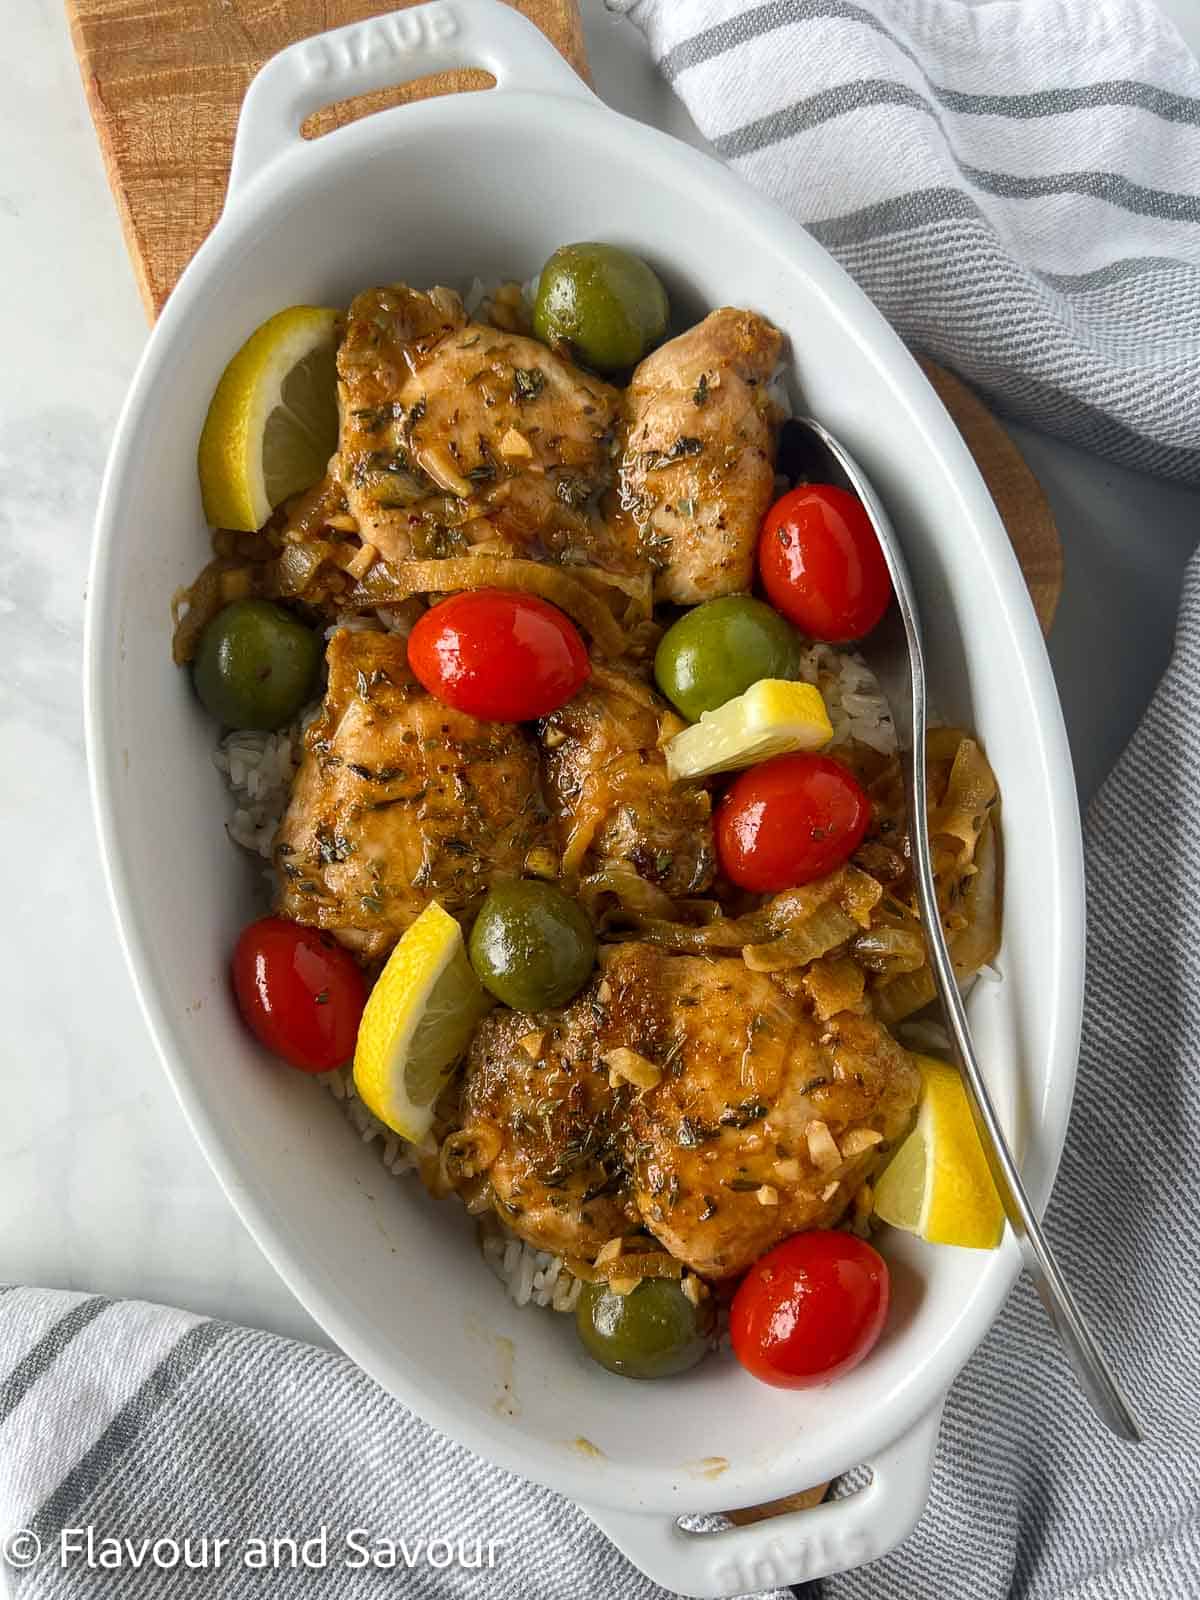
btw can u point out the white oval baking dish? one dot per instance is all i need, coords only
(488, 184)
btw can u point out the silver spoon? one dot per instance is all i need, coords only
(896, 654)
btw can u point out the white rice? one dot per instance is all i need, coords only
(531, 1276)
(856, 705)
(397, 1154)
(259, 768)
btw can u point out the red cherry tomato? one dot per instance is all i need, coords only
(300, 993)
(821, 564)
(789, 821)
(499, 655)
(810, 1309)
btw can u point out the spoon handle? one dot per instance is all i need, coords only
(1091, 1369)
(896, 653)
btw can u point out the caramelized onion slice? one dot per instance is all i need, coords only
(971, 946)
(389, 582)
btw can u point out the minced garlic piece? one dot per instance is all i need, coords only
(822, 1147)
(860, 1139)
(514, 444)
(627, 1066)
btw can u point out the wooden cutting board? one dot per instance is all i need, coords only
(165, 80)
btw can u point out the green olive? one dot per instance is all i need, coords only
(653, 1332)
(720, 649)
(531, 946)
(256, 666)
(604, 304)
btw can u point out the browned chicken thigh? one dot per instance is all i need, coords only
(698, 464)
(455, 434)
(399, 800)
(540, 1119)
(687, 1094)
(763, 1121)
(609, 792)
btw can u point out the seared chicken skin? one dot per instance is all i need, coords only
(540, 1119)
(698, 461)
(609, 792)
(764, 1121)
(399, 800)
(455, 434)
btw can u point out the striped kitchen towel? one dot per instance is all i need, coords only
(1015, 183)
(1031, 1498)
(149, 1454)
(125, 1424)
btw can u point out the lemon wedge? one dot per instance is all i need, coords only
(937, 1184)
(272, 424)
(772, 718)
(418, 1021)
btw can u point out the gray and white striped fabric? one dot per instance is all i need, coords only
(1015, 183)
(124, 1424)
(1031, 1498)
(144, 1424)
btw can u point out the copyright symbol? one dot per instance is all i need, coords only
(21, 1548)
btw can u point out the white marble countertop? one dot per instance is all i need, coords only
(101, 1186)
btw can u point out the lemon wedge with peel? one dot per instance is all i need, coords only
(937, 1184)
(272, 423)
(774, 717)
(418, 1021)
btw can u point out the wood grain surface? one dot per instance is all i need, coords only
(165, 79)
(1019, 497)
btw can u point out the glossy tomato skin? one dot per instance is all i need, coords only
(789, 821)
(499, 655)
(821, 564)
(810, 1309)
(299, 993)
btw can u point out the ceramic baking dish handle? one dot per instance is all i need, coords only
(382, 53)
(794, 1547)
